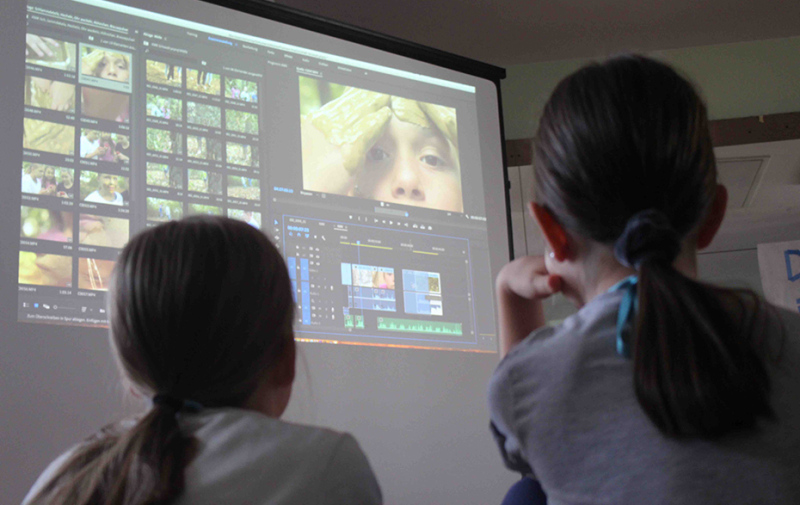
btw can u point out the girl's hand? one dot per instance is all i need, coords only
(39, 45)
(336, 137)
(527, 277)
(521, 286)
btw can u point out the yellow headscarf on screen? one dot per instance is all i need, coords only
(356, 119)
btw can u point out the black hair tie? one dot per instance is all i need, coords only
(176, 404)
(648, 236)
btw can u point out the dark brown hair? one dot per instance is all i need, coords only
(200, 310)
(627, 137)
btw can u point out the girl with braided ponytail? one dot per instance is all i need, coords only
(661, 388)
(201, 315)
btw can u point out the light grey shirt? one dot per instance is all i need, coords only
(248, 458)
(564, 410)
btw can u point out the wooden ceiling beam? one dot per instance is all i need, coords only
(724, 132)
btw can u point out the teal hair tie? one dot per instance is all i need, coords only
(627, 308)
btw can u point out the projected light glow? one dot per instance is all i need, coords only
(364, 170)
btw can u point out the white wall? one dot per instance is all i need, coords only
(736, 80)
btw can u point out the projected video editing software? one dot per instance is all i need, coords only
(368, 180)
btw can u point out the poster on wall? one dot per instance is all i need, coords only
(779, 265)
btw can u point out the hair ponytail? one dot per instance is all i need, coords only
(697, 369)
(141, 465)
(200, 308)
(625, 144)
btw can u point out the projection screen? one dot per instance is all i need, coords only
(380, 178)
(368, 170)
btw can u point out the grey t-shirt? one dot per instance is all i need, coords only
(247, 457)
(564, 410)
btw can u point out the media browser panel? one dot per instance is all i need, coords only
(367, 176)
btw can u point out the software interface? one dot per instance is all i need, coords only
(367, 178)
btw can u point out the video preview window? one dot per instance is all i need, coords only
(164, 107)
(104, 146)
(240, 89)
(164, 141)
(241, 154)
(43, 269)
(94, 274)
(50, 52)
(105, 68)
(49, 94)
(244, 187)
(103, 104)
(369, 287)
(164, 176)
(108, 189)
(203, 114)
(49, 137)
(45, 224)
(204, 148)
(242, 122)
(199, 209)
(203, 181)
(103, 231)
(365, 144)
(39, 179)
(203, 81)
(422, 293)
(161, 210)
(167, 74)
(248, 216)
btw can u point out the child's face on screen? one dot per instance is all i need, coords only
(103, 231)
(412, 165)
(113, 67)
(50, 173)
(108, 184)
(53, 270)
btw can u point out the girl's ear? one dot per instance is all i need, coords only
(284, 370)
(713, 220)
(553, 232)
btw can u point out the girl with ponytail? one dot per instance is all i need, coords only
(201, 315)
(661, 388)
